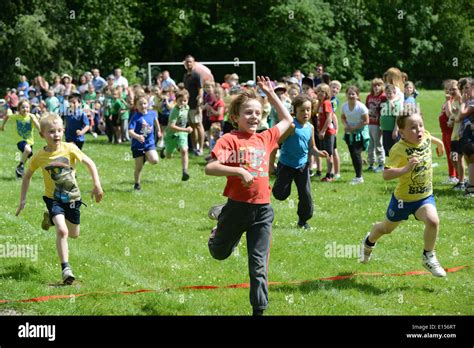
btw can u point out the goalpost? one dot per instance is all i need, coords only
(235, 64)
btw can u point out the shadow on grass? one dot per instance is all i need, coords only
(343, 284)
(9, 178)
(18, 272)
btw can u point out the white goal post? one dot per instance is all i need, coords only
(234, 63)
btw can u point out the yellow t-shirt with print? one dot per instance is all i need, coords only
(24, 127)
(58, 169)
(416, 184)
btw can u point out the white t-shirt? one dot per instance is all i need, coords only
(354, 116)
(121, 81)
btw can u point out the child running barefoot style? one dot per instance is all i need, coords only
(141, 130)
(294, 165)
(243, 157)
(410, 162)
(24, 122)
(57, 161)
(177, 132)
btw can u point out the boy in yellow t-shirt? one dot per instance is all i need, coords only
(410, 162)
(24, 122)
(57, 161)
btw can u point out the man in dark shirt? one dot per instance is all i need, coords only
(192, 83)
(319, 74)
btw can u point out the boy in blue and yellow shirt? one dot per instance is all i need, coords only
(24, 122)
(410, 162)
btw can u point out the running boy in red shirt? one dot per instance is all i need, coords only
(243, 156)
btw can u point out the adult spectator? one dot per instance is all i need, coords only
(319, 75)
(167, 82)
(58, 88)
(119, 80)
(98, 81)
(42, 87)
(23, 85)
(192, 82)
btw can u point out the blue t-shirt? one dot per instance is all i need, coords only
(294, 151)
(143, 124)
(75, 120)
(24, 84)
(410, 100)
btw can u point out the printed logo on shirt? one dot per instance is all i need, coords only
(420, 175)
(65, 187)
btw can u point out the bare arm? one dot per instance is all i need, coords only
(394, 173)
(97, 191)
(136, 136)
(2, 128)
(313, 150)
(439, 145)
(284, 116)
(214, 167)
(25, 184)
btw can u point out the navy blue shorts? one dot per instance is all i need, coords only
(70, 210)
(139, 152)
(21, 146)
(399, 210)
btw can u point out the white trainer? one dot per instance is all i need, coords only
(68, 277)
(431, 263)
(365, 250)
(357, 181)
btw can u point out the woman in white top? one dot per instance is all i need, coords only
(355, 118)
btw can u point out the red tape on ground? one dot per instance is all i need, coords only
(232, 286)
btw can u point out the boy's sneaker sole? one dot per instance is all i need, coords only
(46, 223)
(215, 211)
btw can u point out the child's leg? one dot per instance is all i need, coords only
(62, 234)
(337, 161)
(152, 156)
(139, 161)
(379, 151)
(26, 153)
(118, 134)
(381, 228)
(371, 150)
(271, 166)
(305, 201)
(259, 237)
(461, 167)
(429, 215)
(184, 159)
(232, 222)
(284, 178)
(73, 229)
(446, 138)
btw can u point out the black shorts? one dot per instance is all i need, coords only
(141, 151)
(70, 210)
(163, 119)
(455, 146)
(116, 121)
(21, 146)
(328, 144)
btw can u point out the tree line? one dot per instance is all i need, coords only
(356, 40)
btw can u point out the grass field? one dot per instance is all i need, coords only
(157, 239)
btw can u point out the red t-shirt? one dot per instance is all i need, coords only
(374, 104)
(324, 109)
(215, 106)
(252, 152)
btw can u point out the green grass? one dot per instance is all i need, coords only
(157, 239)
